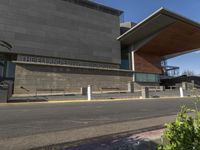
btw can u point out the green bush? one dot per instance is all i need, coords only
(184, 133)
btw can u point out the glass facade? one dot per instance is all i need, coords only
(145, 77)
(2, 69)
(7, 71)
(10, 70)
(7, 68)
(125, 59)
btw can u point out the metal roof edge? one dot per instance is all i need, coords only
(163, 11)
(140, 23)
(97, 6)
(179, 17)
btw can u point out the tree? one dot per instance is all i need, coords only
(184, 133)
(188, 73)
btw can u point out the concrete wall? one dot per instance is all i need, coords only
(31, 77)
(58, 28)
(139, 85)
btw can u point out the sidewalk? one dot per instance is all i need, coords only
(123, 128)
(76, 97)
(143, 141)
(80, 98)
(96, 96)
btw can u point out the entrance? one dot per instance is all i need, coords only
(7, 70)
(1, 70)
(7, 67)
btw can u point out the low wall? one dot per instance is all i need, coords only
(28, 78)
(139, 85)
(174, 93)
(166, 93)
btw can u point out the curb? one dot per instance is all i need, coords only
(91, 101)
(114, 99)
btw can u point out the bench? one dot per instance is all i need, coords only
(49, 90)
(109, 89)
(154, 88)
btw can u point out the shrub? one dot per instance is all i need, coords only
(184, 133)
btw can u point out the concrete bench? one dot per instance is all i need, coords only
(49, 90)
(156, 88)
(109, 89)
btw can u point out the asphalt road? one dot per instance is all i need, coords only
(19, 120)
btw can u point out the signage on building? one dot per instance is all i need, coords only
(60, 61)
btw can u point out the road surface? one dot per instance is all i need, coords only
(28, 119)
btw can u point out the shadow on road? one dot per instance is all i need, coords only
(110, 144)
(118, 144)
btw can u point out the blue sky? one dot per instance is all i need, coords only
(137, 10)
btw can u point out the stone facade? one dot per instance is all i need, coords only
(28, 78)
(60, 29)
(66, 44)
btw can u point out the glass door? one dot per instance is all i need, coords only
(7, 67)
(2, 70)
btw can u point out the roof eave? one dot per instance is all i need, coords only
(97, 6)
(156, 13)
(139, 24)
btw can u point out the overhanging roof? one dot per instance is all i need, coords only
(156, 21)
(97, 6)
(178, 38)
(166, 33)
(162, 35)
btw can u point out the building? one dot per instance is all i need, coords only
(68, 44)
(160, 36)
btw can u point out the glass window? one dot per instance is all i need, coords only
(125, 59)
(1, 69)
(144, 77)
(1, 72)
(7, 69)
(10, 70)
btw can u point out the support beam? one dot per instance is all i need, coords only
(132, 61)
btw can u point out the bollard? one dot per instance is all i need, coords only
(89, 92)
(193, 84)
(10, 88)
(145, 92)
(181, 92)
(131, 87)
(4, 93)
(162, 88)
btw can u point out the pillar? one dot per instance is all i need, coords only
(145, 92)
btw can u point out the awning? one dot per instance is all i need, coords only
(164, 33)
